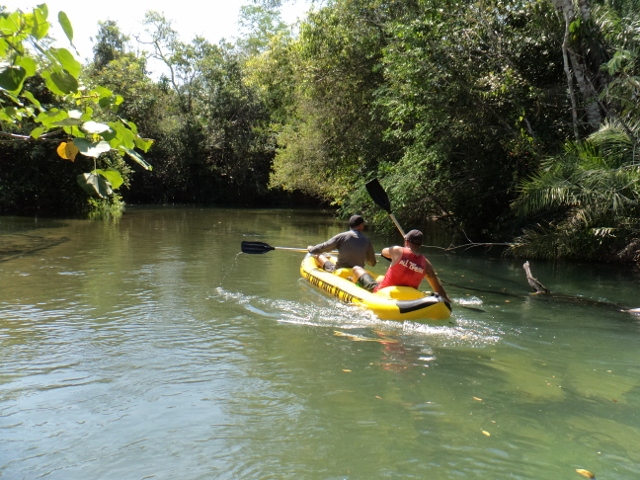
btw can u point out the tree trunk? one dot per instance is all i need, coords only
(575, 68)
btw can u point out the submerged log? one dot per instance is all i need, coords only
(15, 245)
(534, 282)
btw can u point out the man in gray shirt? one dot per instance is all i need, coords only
(354, 249)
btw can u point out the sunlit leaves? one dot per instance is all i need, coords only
(94, 128)
(66, 25)
(36, 132)
(137, 157)
(91, 149)
(112, 176)
(120, 135)
(40, 26)
(28, 50)
(67, 61)
(60, 82)
(67, 150)
(143, 144)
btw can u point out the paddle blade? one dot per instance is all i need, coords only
(378, 195)
(256, 247)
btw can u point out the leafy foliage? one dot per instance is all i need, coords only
(67, 112)
(334, 135)
(586, 201)
(110, 44)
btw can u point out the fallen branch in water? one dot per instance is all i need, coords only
(534, 282)
(469, 244)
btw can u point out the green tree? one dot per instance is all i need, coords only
(221, 147)
(69, 121)
(110, 44)
(475, 92)
(259, 24)
(334, 136)
(584, 203)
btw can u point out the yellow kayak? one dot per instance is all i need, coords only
(389, 303)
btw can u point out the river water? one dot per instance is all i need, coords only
(150, 348)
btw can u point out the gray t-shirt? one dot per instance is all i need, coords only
(353, 249)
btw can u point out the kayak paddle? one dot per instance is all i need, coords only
(261, 247)
(380, 197)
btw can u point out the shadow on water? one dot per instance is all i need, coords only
(13, 245)
(22, 236)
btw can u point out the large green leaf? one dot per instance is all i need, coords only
(143, 144)
(68, 122)
(68, 62)
(112, 175)
(29, 96)
(137, 157)
(75, 118)
(10, 24)
(66, 82)
(29, 65)
(36, 132)
(94, 128)
(64, 22)
(91, 149)
(60, 82)
(40, 24)
(121, 136)
(95, 185)
(111, 102)
(49, 118)
(12, 78)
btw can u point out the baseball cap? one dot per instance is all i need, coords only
(355, 220)
(414, 236)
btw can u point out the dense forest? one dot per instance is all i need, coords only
(512, 121)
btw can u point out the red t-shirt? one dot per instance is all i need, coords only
(409, 271)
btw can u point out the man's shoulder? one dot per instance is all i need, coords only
(356, 234)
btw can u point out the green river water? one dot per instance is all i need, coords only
(150, 348)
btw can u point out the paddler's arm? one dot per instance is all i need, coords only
(327, 246)
(392, 253)
(436, 286)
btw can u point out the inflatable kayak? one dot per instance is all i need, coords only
(390, 303)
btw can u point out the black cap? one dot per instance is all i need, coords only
(414, 236)
(355, 220)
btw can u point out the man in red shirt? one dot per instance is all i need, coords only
(408, 268)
